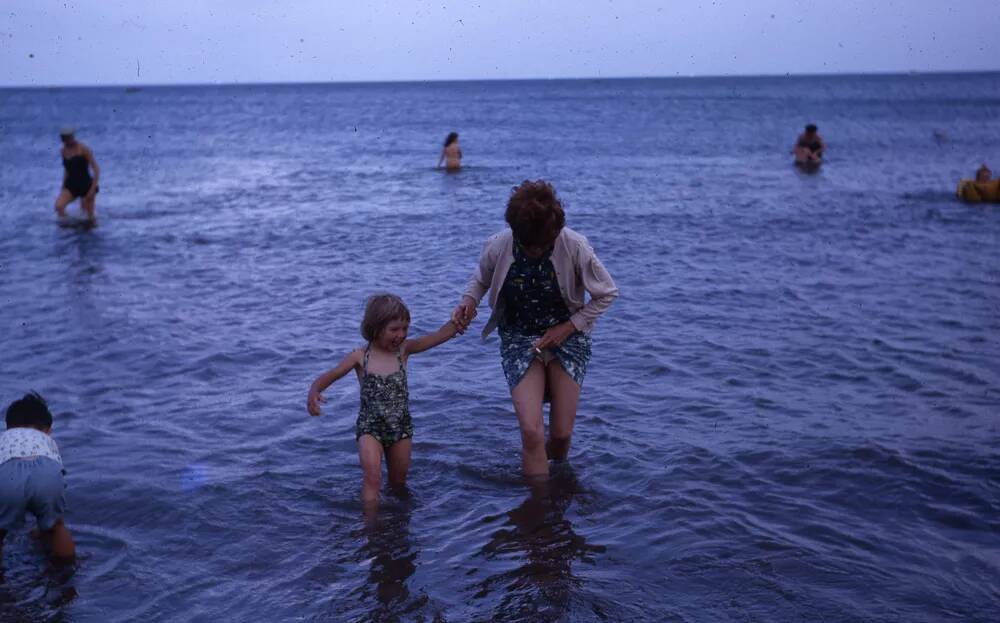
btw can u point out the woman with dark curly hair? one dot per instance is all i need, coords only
(537, 273)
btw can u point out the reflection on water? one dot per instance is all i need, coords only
(33, 587)
(541, 542)
(388, 550)
(83, 252)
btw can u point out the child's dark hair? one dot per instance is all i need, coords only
(451, 138)
(380, 310)
(29, 412)
(811, 127)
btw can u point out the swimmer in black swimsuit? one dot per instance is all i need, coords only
(809, 147)
(78, 161)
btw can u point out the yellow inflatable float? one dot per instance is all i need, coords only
(971, 190)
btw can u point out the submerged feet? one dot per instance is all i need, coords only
(557, 448)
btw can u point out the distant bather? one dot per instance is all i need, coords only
(451, 153)
(983, 188)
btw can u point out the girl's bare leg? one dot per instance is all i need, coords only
(64, 199)
(370, 454)
(565, 395)
(527, 398)
(398, 459)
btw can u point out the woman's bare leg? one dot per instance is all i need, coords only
(527, 398)
(565, 395)
(64, 199)
(398, 460)
(89, 207)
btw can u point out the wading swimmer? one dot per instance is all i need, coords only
(809, 148)
(31, 475)
(384, 425)
(451, 154)
(537, 273)
(78, 161)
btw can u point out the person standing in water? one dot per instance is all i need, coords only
(78, 162)
(451, 152)
(384, 427)
(538, 274)
(809, 147)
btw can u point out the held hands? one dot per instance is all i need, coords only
(463, 314)
(555, 336)
(315, 399)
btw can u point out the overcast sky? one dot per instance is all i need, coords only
(48, 42)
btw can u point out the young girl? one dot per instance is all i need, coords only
(384, 424)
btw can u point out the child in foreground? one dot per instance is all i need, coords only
(384, 425)
(31, 475)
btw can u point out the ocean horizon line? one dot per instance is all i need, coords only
(293, 83)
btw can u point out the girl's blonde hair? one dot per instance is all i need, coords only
(380, 310)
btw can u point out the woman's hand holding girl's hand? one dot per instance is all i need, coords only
(315, 398)
(555, 336)
(463, 314)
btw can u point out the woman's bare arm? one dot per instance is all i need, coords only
(89, 155)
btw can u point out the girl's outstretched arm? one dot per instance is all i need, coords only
(350, 362)
(429, 341)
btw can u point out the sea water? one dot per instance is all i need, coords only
(791, 413)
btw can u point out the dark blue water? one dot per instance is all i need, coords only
(791, 413)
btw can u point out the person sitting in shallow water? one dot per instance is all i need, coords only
(78, 161)
(451, 152)
(984, 188)
(809, 147)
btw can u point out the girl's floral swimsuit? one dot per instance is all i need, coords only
(385, 405)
